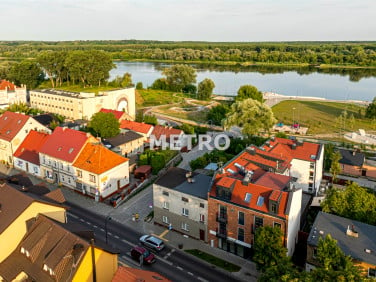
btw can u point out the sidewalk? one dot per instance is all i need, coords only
(142, 203)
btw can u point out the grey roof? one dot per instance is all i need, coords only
(336, 226)
(351, 157)
(172, 178)
(175, 178)
(198, 188)
(123, 138)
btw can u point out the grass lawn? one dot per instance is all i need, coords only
(214, 260)
(78, 88)
(150, 97)
(320, 117)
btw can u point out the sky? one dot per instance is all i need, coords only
(193, 20)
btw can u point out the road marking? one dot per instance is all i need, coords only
(180, 268)
(202, 279)
(88, 222)
(190, 273)
(102, 229)
(163, 233)
(123, 264)
(109, 233)
(116, 236)
(155, 235)
(95, 226)
(74, 216)
(82, 220)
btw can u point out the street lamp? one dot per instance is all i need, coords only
(293, 117)
(108, 218)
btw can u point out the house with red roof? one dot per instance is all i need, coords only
(141, 128)
(26, 158)
(251, 191)
(11, 94)
(119, 115)
(307, 161)
(14, 127)
(167, 135)
(59, 152)
(100, 172)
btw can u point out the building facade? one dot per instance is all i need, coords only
(11, 94)
(14, 128)
(180, 202)
(74, 105)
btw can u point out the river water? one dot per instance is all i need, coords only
(339, 85)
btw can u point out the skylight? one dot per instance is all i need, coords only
(70, 150)
(248, 197)
(260, 201)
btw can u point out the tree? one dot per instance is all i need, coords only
(159, 84)
(190, 89)
(105, 125)
(335, 167)
(179, 76)
(187, 128)
(371, 109)
(282, 271)
(249, 91)
(205, 89)
(218, 113)
(334, 264)
(251, 115)
(150, 119)
(268, 247)
(139, 85)
(354, 202)
(26, 72)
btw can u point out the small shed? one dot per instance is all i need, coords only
(143, 172)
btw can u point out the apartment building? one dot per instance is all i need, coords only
(181, 202)
(11, 94)
(248, 193)
(74, 105)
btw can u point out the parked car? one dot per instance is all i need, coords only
(152, 242)
(147, 256)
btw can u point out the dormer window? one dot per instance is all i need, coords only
(8, 132)
(25, 252)
(59, 149)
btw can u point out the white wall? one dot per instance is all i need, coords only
(33, 169)
(294, 221)
(300, 170)
(176, 204)
(319, 168)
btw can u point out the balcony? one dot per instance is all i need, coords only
(222, 218)
(222, 233)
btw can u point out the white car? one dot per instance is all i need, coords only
(152, 242)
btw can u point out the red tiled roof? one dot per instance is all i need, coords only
(117, 114)
(226, 182)
(305, 151)
(135, 126)
(274, 196)
(97, 159)
(244, 160)
(29, 148)
(239, 193)
(64, 143)
(160, 130)
(273, 181)
(10, 124)
(4, 84)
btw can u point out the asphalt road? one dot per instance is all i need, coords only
(171, 263)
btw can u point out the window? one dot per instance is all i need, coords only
(276, 224)
(202, 217)
(241, 234)
(371, 272)
(241, 218)
(79, 173)
(185, 211)
(165, 219)
(165, 193)
(314, 254)
(311, 165)
(274, 208)
(260, 201)
(184, 199)
(248, 197)
(92, 177)
(166, 205)
(184, 226)
(259, 221)
(202, 205)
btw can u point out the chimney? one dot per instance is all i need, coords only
(272, 138)
(293, 146)
(353, 153)
(247, 178)
(352, 232)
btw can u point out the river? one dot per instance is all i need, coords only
(335, 84)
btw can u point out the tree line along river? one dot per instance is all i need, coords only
(332, 84)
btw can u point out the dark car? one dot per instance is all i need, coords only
(152, 242)
(147, 256)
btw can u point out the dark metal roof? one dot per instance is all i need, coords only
(172, 178)
(351, 157)
(336, 226)
(123, 138)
